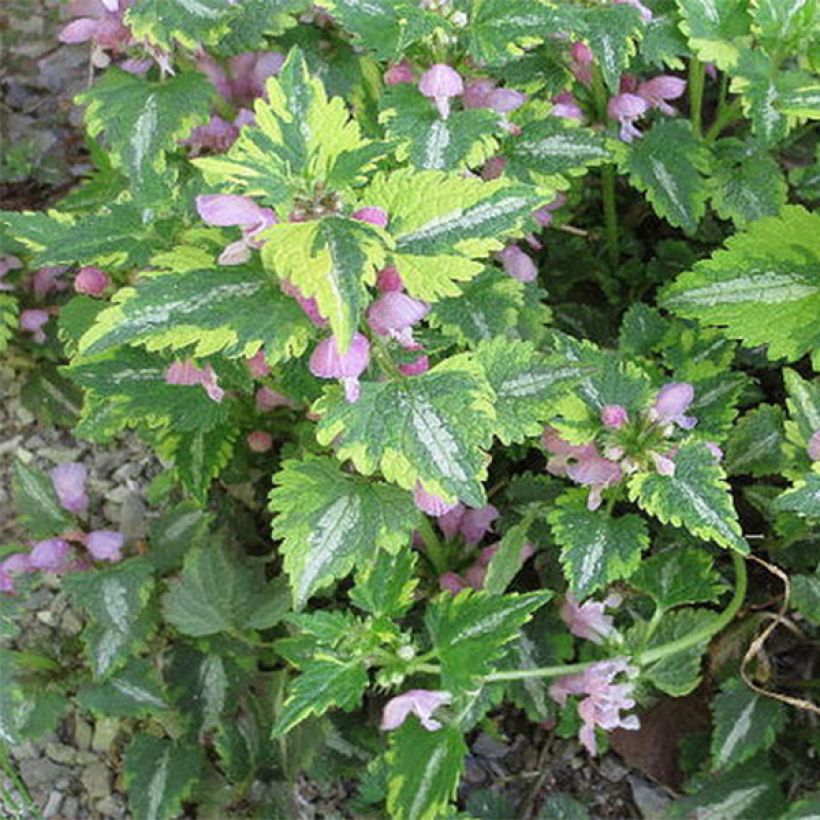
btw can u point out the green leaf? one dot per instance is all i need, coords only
(756, 443)
(595, 547)
(470, 631)
(331, 521)
(696, 497)
(230, 309)
(803, 499)
(116, 601)
(803, 401)
(131, 384)
(663, 43)
(37, 503)
(806, 595)
(115, 238)
(200, 686)
(215, 593)
(526, 384)
(465, 138)
(431, 428)
(499, 28)
(746, 183)
(764, 288)
(679, 674)
(330, 260)
(199, 456)
(424, 770)
(142, 120)
(301, 138)
(747, 791)
(668, 164)
(714, 29)
(175, 532)
(488, 306)
(642, 330)
(784, 23)
(611, 33)
(755, 79)
(551, 146)
(386, 586)
(159, 775)
(8, 319)
(744, 724)
(678, 575)
(324, 682)
(193, 23)
(508, 559)
(134, 691)
(443, 223)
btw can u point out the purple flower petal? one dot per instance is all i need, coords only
(813, 448)
(50, 555)
(614, 416)
(420, 702)
(105, 545)
(517, 264)
(224, 210)
(430, 503)
(69, 484)
(371, 215)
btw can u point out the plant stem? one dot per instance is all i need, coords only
(696, 79)
(726, 117)
(664, 650)
(435, 549)
(610, 214)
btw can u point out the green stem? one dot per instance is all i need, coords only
(696, 80)
(726, 117)
(435, 549)
(707, 631)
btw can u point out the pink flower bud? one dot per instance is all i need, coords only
(50, 555)
(399, 73)
(258, 365)
(582, 60)
(224, 210)
(415, 368)
(393, 314)
(517, 264)
(493, 168)
(46, 280)
(814, 446)
(450, 582)
(32, 321)
(259, 441)
(389, 280)
(429, 503)
(626, 108)
(477, 93)
(476, 523)
(440, 83)
(614, 416)
(327, 362)
(504, 100)
(69, 484)
(91, 281)
(371, 215)
(267, 399)
(663, 464)
(660, 89)
(187, 373)
(419, 702)
(543, 216)
(566, 106)
(588, 620)
(450, 522)
(105, 545)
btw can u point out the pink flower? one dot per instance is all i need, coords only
(714, 450)
(225, 210)
(614, 416)
(517, 264)
(493, 168)
(626, 108)
(646, 14)
(187, 373)
(32, 321)
(243, 79)
(476, 523)
(813, 448)
(505, 100)
(671, 404)
(430, 503)
(543, 216)
(477, 93)
(13, 564)
(371, 215)
(596, 472)
(566, 106)
(588, 620)
(267, 399)
(69, 484)
(308, 304)
(216, 135)
(451, 582)
(8, 263)
(581, 62)
(91, 281)
(258, 365)
(50, 555)
(46, 280)
(389, 280)
(393, 314)
(440, 83)
(660, 89)
(419, 702)
(105, 545)
(259, 441)
(416, 367)
(563, 453)
(104, 28)
(327, 362)
(399, 73)
(450, 522)
(604, 699)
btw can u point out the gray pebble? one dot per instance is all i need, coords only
(97, 780)
(52, 806)
(105, 732)
(82, 733)
(650, 799)
(41, 772)
(60, 753)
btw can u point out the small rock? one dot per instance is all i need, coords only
(488, 746)
(52, 806)
(105, 732)
(132, 518)
(612, 769)
(113, 512)
(82, 732)
(60, 753)
(111, 806)
(97, 780)
(71, 808)
(47, 617)
(650, 799)
(41, 772)
(71, 624)
(119, 494)
(25, 751)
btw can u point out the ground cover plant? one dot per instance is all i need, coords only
(480, 342)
